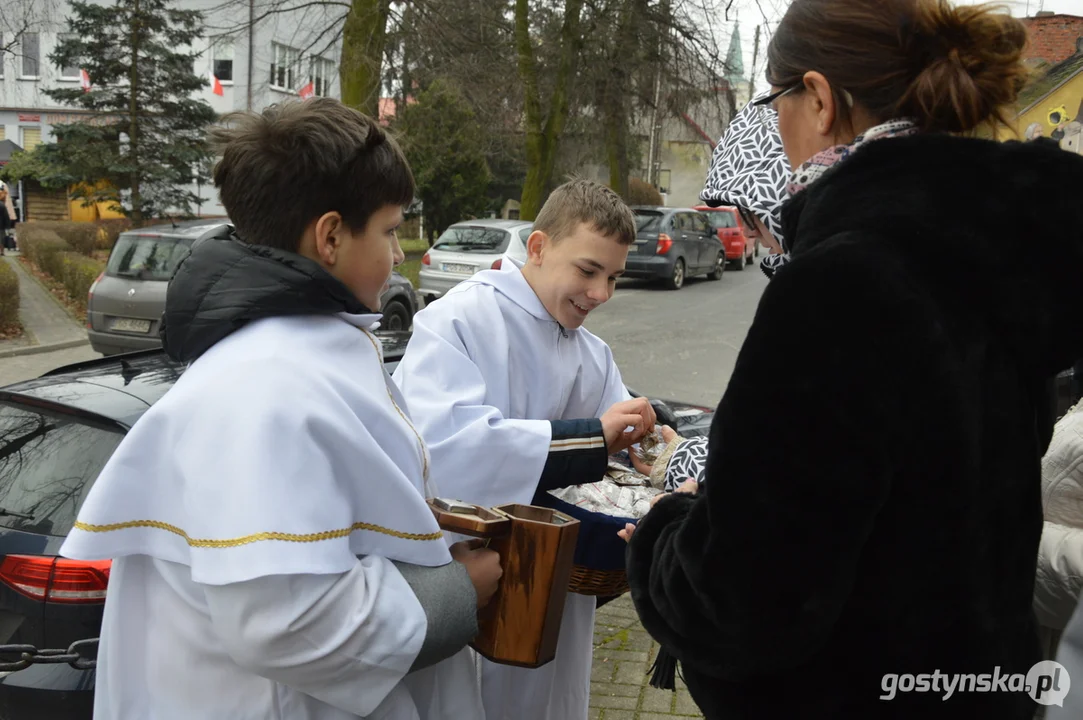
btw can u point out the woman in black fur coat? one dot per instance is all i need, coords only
(864, 544)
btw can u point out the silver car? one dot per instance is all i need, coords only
(467, 247)
(125, 305)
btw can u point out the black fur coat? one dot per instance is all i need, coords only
(871, 503)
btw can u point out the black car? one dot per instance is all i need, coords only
(674, 244)
(56, 434)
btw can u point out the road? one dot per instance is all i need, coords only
(24, 367)
(680, 345)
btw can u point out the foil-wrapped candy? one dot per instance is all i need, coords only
(651, 446)
(623, 492)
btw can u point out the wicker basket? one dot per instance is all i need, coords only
(603, 583)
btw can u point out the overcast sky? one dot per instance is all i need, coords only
(769, 12)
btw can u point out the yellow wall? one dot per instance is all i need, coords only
(89, 213)
(1059, 116)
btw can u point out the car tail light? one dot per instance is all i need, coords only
(90, 296)
(56, 580)
(497, 263)
(426, 260)
(665, 242)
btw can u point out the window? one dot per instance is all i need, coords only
(681, 222)
(524, 234)
(1, 59)
(647, 221)
(699, 224)
(30, 52)
(474, 239)
(321, 72)
(2, 128)
(222, 59)
(48, 461)
(722, 219)
(284, 62)
(69, 72)
(31, 138)
(146, 257)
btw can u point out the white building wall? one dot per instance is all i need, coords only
(26, 110)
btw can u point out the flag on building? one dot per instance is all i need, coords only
(307, 91)
(84, 80)
(216, 85)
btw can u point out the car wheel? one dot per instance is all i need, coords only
(676, 279)
(739, 263)
(396, 316)
(719, 267)
(755, 251)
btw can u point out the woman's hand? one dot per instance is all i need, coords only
(688, 487)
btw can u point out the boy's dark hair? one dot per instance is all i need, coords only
(285, 167)
(584, 201)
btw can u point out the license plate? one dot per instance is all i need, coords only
(131, 325)
(459, 269)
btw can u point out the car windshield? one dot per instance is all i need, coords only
(48, 461)
(147, 257)
(474, 239)
(648, 221)
(721, 219)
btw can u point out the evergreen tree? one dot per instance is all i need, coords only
(146, 145)
(444, 144)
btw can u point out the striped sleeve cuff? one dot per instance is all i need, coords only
(577, 454)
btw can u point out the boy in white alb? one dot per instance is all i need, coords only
(514, 398)
(273, 555)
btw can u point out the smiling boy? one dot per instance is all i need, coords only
(514, 398)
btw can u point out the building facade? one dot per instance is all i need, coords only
(259, 54)
(1053, 37)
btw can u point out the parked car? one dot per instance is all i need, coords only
(56, 434)
(125, 304)
(467, 247)
(741, 249)
(673, 244)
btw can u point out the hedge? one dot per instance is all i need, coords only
(77, 273)
(110, 230)
(41, 247)
(82, 237)
(9, 295)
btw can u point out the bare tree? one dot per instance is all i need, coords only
(23, 16)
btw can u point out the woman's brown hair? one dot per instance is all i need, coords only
(950, 69)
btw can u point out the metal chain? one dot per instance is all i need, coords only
(81, 655)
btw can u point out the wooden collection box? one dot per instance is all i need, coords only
(521, 623)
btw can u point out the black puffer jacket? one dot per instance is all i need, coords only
(871, 503)
(225, 284)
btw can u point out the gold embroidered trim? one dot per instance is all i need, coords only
(256, 537)
(420, 443)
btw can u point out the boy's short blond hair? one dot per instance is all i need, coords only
(585, 201)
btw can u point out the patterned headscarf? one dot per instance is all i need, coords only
(749, 169)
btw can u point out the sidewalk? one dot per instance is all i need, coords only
(623, 653)
(47, 325)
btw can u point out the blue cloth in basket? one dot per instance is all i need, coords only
(598, 546)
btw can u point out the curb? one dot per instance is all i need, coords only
(35, 349)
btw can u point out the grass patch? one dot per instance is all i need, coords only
(410, 269)
(414, 247)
